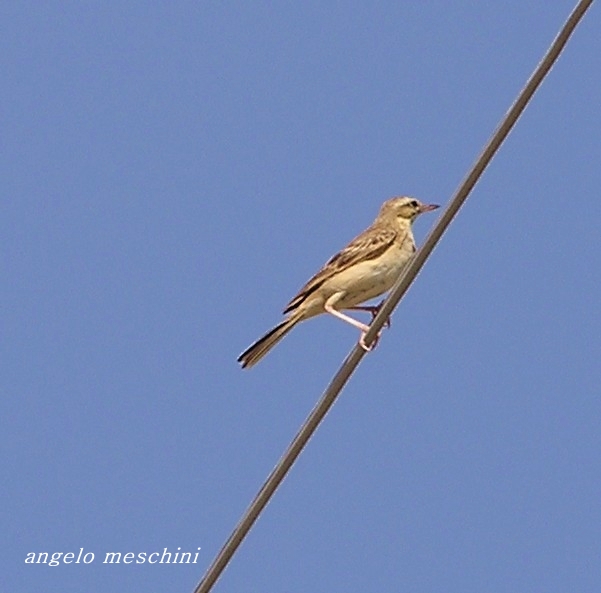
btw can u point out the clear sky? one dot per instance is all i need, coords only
(173, 172)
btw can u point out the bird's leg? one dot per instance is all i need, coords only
(329, 307)
(373, 309)
(340, 315)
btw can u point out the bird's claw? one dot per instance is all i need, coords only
(375, 310)
(371, 346)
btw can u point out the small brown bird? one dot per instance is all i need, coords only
(366, 268)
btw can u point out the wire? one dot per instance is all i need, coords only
(398, 291)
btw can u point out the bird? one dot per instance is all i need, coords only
(365, 269)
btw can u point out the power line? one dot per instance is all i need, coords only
(398, 291)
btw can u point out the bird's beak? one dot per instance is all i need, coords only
(428, 207)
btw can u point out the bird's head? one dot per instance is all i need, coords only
(404, 207)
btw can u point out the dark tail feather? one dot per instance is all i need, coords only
(254, 353)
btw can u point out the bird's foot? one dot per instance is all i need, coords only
(371, 346)
(377, 308)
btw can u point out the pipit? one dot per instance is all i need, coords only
(366, 268)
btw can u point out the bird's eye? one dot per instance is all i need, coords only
(414, 204)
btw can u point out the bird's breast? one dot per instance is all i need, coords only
(370, 278)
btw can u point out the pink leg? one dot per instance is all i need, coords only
(328, 306)
(373, 309)
(353, 322)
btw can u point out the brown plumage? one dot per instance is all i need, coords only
(366, 268)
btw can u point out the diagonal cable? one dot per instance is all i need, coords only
(398, 291)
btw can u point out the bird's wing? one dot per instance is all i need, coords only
(368, 245)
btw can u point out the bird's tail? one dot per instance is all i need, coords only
(255, 352)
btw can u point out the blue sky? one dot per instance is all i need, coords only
(174, 172)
